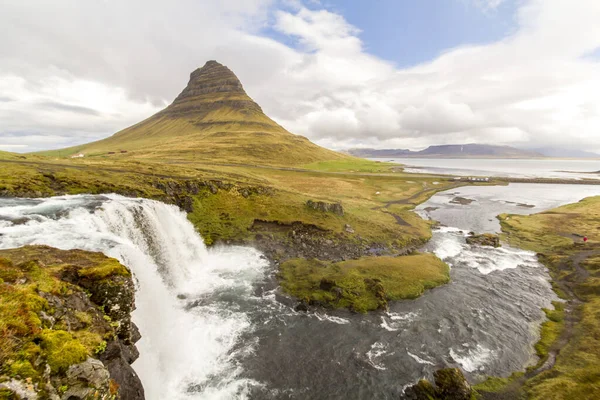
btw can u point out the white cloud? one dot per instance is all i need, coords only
(96, 67)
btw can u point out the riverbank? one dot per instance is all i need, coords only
(569, 347)
(328, 212)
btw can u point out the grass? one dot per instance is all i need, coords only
(28, 341)
(351, 165)
(373, 203)
(575, 269)
(364, 284)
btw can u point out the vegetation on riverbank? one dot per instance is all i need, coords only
(364, 284)
(226, 203)
(59, 309)
(569, 347)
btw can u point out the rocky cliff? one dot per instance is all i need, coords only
(65, 326)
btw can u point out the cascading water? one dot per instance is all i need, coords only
(192, 303)
(211, 330)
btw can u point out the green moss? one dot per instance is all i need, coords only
(27, 342)
(84, 317)
(364, 284)
(90, 340)
(107, 268)
(550, 330)
(23, 369)
(62, 350)
(101, 348)
(495, 384)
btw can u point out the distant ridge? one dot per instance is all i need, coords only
(565, 153)
(213, 119)
(451, 151)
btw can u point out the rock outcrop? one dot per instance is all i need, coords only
(210, 88)
(485, 239)
(450, 384)
(66, 330)
(335, 208)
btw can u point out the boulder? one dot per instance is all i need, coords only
(335, 208)
(450, 384)
(485, 239)
(85, 379)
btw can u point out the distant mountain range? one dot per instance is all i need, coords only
(450, 151)
(564, 153)
(471, 151)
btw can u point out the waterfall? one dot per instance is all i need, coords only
(193, 304)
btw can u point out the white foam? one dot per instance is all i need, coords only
(448, 246)
(181, 347)
(488, 259)
(377, 350)
(474, 359)
(331, 318)
(419, 359)
(395, 321)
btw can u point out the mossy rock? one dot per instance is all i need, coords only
(486, 239)
(58, 309)
(450, 384)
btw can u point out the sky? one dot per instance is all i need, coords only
(344, 73)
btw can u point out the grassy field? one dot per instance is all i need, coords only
(377, 206)
(569, 347)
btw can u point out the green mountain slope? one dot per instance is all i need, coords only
(213, 119)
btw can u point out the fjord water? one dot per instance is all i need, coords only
(214, 325)
(517, 168)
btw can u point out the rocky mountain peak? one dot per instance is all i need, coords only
(211, 78)
(210, 87)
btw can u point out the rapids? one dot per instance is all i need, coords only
(215, 325)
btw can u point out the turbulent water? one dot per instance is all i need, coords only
(192, 304)
(214, 325)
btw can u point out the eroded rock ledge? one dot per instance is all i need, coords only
(65, 326)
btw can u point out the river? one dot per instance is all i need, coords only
(215, 326)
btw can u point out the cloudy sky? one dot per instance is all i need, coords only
(345, 73)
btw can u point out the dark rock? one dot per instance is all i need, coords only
(450, 384)
(423, 390)
(326, 284)
(335, 208)
(461, 200)
(302, 306)
(186, 203)
(117, 359)
(485, 239)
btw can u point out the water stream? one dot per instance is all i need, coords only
(214, 327)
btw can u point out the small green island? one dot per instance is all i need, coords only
(365, 284)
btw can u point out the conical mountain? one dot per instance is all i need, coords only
(213, 120)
